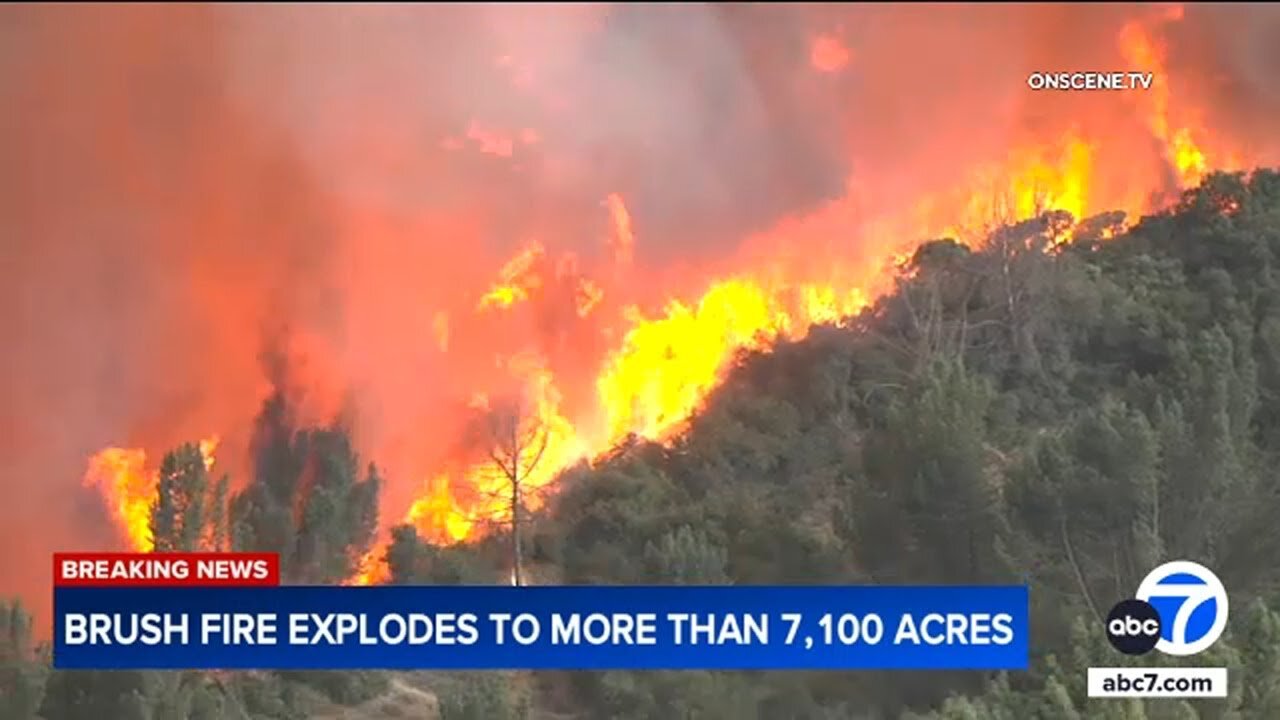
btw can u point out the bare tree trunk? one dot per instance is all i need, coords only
(516, 441)
(1075, 567)
(517, 551)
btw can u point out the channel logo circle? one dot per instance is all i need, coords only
(1191, 603)
(1133, 627)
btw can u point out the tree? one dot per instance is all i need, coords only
(306, 500)
(408, 557)
(263, 513)
(1260, 650)
(93, 695)
(688, 557)
(187, 514)
(485, 696)
(685, 695)
(23, 669)
(515, 440)
(606, 515)
(930, 508)
(218, 530)
(414, 561)
(339, 514)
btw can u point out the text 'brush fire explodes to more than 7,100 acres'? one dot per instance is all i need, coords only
(559, 225)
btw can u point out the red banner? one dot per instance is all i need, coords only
(102, 569)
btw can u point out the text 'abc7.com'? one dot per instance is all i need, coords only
(1180, 609)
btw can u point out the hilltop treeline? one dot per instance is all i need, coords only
(1054, 408)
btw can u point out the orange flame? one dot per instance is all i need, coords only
(477, 498)
(129, 488)
(1032, 181)
(667, 365)
(1142, 51)
(517, 280)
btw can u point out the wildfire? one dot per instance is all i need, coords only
(1031, 181)
(517, 280)
(438, 508)
(129, 488)
(1142, 51)
(652, 383)
(479, 495)
(660, 358)
(477, 498)
(372, 569)
(667, 365)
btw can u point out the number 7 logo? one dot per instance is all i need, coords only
(1192, 604)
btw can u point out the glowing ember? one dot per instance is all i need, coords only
(517, 280)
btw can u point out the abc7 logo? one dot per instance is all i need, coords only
(1180, 609)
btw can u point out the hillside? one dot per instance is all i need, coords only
(1052, 408)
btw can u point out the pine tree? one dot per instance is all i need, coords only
(688, 557)
(22, 669)
(218, 530)
(407, 556)
(1259, 643)
(306, 501)
(180, 518)
(1057, 702)
(339, 510)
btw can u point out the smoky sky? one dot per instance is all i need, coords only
(181, 184)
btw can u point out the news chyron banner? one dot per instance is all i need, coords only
(228, 611)
(1180, 610)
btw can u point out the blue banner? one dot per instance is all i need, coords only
(568, 628)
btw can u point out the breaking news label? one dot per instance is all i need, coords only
(227, 611)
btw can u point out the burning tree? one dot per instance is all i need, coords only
(307, 500)
(188, 513)
(515, 441)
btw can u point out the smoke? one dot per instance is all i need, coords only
(1230, 51)
(185, 186)
(152, 231)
